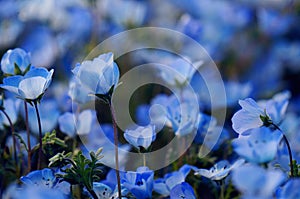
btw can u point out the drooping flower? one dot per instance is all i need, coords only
(31, 86)
(15, 62)
(98, 76)
(139, 183)
(255, 182)
(258, 147)
(141, 136)
(164, 185)
(255, 114)
(182, 190)
(220, 170)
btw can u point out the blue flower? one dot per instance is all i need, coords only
(258, 147)
(220, 170)
(105, 192)
(164, 185)
(182, 190)
(290, 190)
(12, 109)
(43, 178)
(141, 136)
(81, 124)
(15, 57)
(183, 116)
(184, 71)
(256, 182)
(253, 114)
(31, 86)
(98, 76)
(139, 183)
(78, 92)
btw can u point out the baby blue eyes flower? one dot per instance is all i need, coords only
(182, 191)
(81, 124)
(139, 183)
(141, 136)
(220, 170)
(290, 190)
(184, 72)
(164, 185)
(42, 178)
(15, 60)
(31, 86)
(258, 147)
(256, 182)
(98, 76)
(105, 192)
(255, 114)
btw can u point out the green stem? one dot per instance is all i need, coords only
(40, 136)
(222, 191)
(28, 138)
(13, 136)
(288, 147)
(144, 160)
(112, 111)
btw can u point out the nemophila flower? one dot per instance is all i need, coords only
(98, 76)
(49, 113)
(142, 114)
(15, 62)
(141, 137)
(105, 192)
(31, 86)
(220, 170)
(184, 71)
(41, 178)
(255, 114)
(78, 92)
(11, 107)
(255, 182)
(42, 45)
(164, 185)
(45, 179)
(258, 147)
(34, 193)
(183, 115)
(290, 190)
(139, 182)
(80, 124)
(181, 191)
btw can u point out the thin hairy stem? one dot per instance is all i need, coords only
(112, 111)
(288, 147)
(40, 136)
(28, 138)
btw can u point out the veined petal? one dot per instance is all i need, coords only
(12, 83)
(32, 88)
